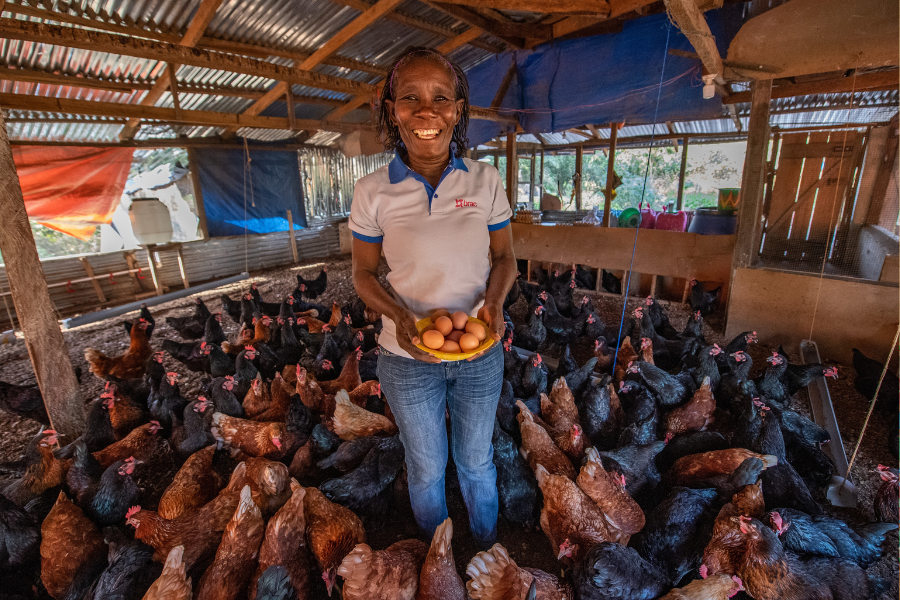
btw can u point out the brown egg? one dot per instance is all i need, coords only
(476, 329)
(468, 342)
(450, 346)
(482, 314)
(444, 325)
(429, 328)
(455, 335)
(441, 312)
(433, 339)
(459, 319)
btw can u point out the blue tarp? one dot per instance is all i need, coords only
(276, 189)
(602, 79)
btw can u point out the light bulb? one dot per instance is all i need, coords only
(709, 89)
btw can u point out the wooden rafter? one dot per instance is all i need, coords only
(415, 22)
(880, 80)
(690, 20)
(466, 37)
(585, 7)
(368, 17)
(166, 77)
(117, 44)
(33, 76)
(185, 117)
(205, 42)
(514, 34)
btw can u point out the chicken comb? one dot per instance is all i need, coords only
(249, 349)
(53, 432)
(649, 301)
(172, 374)
(132, 511)
(326, 364)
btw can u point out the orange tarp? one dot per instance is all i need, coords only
(72, 189)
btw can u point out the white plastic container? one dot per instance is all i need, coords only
(150, 221)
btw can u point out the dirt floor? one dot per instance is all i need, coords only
(528, 548)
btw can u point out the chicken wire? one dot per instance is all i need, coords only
(329, 177)
(831, 201)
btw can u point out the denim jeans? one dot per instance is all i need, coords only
(419, 395)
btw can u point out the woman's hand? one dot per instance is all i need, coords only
(408, 336)
(492, 314)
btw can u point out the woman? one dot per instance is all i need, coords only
(443, 224)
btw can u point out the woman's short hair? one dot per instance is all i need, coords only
(388, 132)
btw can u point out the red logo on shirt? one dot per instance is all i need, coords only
(461, 203)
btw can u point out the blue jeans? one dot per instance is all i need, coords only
(419, 394)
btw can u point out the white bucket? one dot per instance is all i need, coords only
(150, 221)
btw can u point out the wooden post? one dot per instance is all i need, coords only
(753, 181)
(156, 281)
(684, 151)
(131, 261)
(579, 162)
(181, 268)
(610, 173)
(497, 160)
(198, 193)
(43, 338)
(173, 87)
(531, 185)
(290, 218)
(542, 177)
(512, 170)
(90, 273)
(292, 116)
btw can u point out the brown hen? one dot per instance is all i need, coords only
(569, 518)
(143, 443)
(230, 572)
(438, 579)
(695, 415)
(389, 574)
(45, 474)
(257, 398)
(127, 366)
(496, 576)
(253, 438)
(285, 544)
(195, 484)
(348, 379)
(269, 482)
(700, 467)
(332, 531)
(173, 583)
(69, 541)
(539, 448)
(717, 587)
(351, 421)
(623, 515)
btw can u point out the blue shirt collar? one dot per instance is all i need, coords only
(398, 171)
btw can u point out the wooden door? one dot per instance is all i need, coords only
(810, 192)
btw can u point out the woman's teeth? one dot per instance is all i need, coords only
(426, 134)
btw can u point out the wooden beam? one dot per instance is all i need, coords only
(258, 51)
(610, 173)
(572, 24)
(512, 170)
(358, 24)
(690, 20)
(116, 44)
(415, 22)
(594, 131)
(754, 176)
(37, 316)
(466, 37)
(292, 115)
(671, 127)
(880, 80)
(514, 34)
(195, 30)
(171, 70)
(187, 117)
(33, 76)
(583, 7)
(681, 172)
(579, 164)
(504, 85)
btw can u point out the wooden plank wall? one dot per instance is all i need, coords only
(204, 261)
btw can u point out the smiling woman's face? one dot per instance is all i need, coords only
(426, 109)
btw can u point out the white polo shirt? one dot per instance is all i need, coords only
(435, 240)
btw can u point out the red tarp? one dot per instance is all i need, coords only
(72, 189)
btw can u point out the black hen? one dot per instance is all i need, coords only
(532, 335)
(516, 484)
(130, 572)
(313, 288)
(20, 536)
(611, 571)
(192, 326)
(23, 400)
(598, 416)
(270, 309)
(702, 300)
(868, 373)
(232, 308)
(349, 455)
(367, 489)
(667, 390)
(107, 503)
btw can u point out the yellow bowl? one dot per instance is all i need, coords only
(421, 324)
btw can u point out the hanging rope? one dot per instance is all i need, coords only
(872, 405)
(643, 191)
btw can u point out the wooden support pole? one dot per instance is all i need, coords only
(292, 116)
(198, 193)
(90, 273)
(181, 268)
(542, 178)
(171, 69)
(681, 172)
(610, 173)
(293, 239)
(131, 261)
(531, 184)
(497, 160)
(37, 317)
(160, 290)
(579, 162)
(512, 170)
(753, 181)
